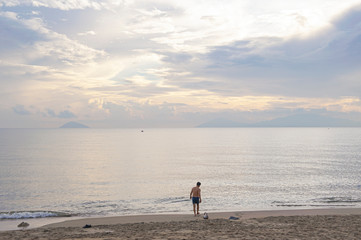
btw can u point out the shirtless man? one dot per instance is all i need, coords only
(196, 197)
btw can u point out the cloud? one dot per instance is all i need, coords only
(310, 66)
(176, 57)
(146, 114)
(87, 33)
(63, 5)
(63, 114)
(20, 109)
(32, 41)
(14, 34)
(136, 61)
(66, 114)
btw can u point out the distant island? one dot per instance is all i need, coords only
(298, 120)
(74, 125)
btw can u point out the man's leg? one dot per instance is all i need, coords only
(197, 208)
(194, 209)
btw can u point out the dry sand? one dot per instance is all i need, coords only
(287, 224)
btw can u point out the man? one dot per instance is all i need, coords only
(196, 198)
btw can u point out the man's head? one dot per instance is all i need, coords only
(198, 184)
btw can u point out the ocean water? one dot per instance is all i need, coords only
(107, 172)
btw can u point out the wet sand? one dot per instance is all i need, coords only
(284, 224)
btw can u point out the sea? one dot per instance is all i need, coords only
(48, 174)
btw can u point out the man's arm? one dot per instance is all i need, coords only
(200, 198)
(190, 195)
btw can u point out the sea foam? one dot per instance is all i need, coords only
(35, 214)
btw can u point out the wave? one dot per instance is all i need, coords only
(172, 200)
(331, 200)
(321, 202)
(31, 214)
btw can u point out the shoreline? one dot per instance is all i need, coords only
(335, 223)
(94, 221)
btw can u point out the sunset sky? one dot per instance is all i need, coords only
(124, 63)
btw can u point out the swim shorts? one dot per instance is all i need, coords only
(195, 200)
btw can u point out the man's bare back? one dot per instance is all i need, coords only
(196, 192)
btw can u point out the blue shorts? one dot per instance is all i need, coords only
(195, 200)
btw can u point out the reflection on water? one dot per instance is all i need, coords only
(126, 171)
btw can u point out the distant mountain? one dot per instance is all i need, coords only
(74, 125)
(308, 120)
(299, 120)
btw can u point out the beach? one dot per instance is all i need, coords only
(341, 223)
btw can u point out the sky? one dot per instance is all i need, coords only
(165, 63)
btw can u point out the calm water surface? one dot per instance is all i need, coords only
(91, 172)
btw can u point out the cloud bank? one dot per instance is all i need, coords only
(171, 64)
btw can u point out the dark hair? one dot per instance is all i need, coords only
(198, 184)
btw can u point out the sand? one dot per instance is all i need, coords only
(286, 224)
